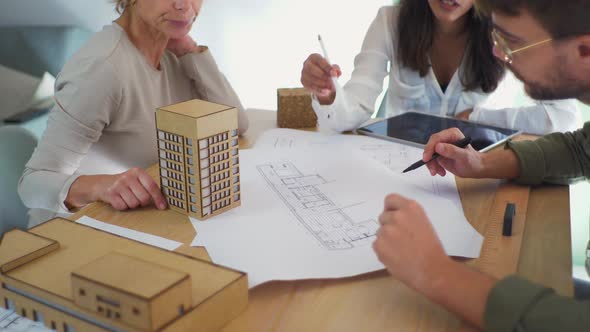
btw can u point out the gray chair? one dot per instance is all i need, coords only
(38, 49)
(16, 147)
(382, 106)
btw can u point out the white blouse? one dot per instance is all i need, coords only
(355, 102)
(104, 118)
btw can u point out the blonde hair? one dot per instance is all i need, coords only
(121, 5)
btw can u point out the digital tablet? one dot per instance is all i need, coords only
(416, 128)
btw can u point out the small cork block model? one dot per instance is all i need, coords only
(294, 109)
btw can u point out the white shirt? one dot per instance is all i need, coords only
(355, 102)
(104, 118)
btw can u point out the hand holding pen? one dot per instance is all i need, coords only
(317, 74)
(462, 143)
(464, 162)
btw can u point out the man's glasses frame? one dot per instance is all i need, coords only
(504, 52)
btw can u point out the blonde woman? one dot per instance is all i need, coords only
(101, 133)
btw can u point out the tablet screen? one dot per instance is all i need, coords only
(418, 127)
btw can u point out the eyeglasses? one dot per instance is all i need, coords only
(502, 51)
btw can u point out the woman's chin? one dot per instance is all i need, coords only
(177, 34)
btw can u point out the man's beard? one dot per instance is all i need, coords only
(562, 86)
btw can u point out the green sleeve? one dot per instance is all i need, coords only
(557, 157)
(519, 305)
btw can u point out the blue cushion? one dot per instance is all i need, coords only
(16, 145)
(38, 49)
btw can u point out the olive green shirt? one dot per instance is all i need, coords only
(519, 305)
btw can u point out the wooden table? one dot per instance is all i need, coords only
(375, 301)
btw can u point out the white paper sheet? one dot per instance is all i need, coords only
(150, 239)
(395, 156)
(313, 213)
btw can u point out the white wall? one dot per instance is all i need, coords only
(259, 44)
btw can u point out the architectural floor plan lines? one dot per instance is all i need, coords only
(327, 222)
(395, 158)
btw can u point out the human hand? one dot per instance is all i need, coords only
(463, 162)
(316, 76)
(407, 244)
(129, 190)
(465, 114)
(184, 46)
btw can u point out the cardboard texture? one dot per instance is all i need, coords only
(199, 157)
(95, 281)
(294, 109)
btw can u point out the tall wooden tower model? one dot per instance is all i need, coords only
(199, 157)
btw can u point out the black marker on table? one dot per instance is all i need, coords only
(462, 143)
(508, 218)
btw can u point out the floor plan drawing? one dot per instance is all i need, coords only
(324, 219)
(398, 157)
(312, 212)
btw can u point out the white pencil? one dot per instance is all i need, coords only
(324, 49)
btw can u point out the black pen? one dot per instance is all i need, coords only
(462, 143)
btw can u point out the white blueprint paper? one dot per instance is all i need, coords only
(395, 156)
(313, 213)
(11, 322)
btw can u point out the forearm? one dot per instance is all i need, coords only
(555, 157)
(344, 114)
(539, 119)
(500, 164)
(461, 290)
(42, 189)
(211, 84)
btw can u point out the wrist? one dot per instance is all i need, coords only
(501, 164)
(486, 171)
(196, 49)
(326, 100)
(435, 276)
(200, 49)
(77, 194)
(86, 189)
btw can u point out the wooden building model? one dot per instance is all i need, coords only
(199, 157)
(294, 109)
(73, 278)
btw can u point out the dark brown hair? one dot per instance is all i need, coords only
(415, 32)
(561, 18)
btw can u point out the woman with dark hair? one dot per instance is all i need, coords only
(441, 62)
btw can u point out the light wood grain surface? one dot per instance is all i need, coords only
(375, 301)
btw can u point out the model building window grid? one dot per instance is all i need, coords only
(219, 171)
(172, 168)
(219, 164)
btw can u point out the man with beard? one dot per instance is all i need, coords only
(547, 44)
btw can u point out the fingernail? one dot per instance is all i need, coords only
(161, 206)
(440, 148)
